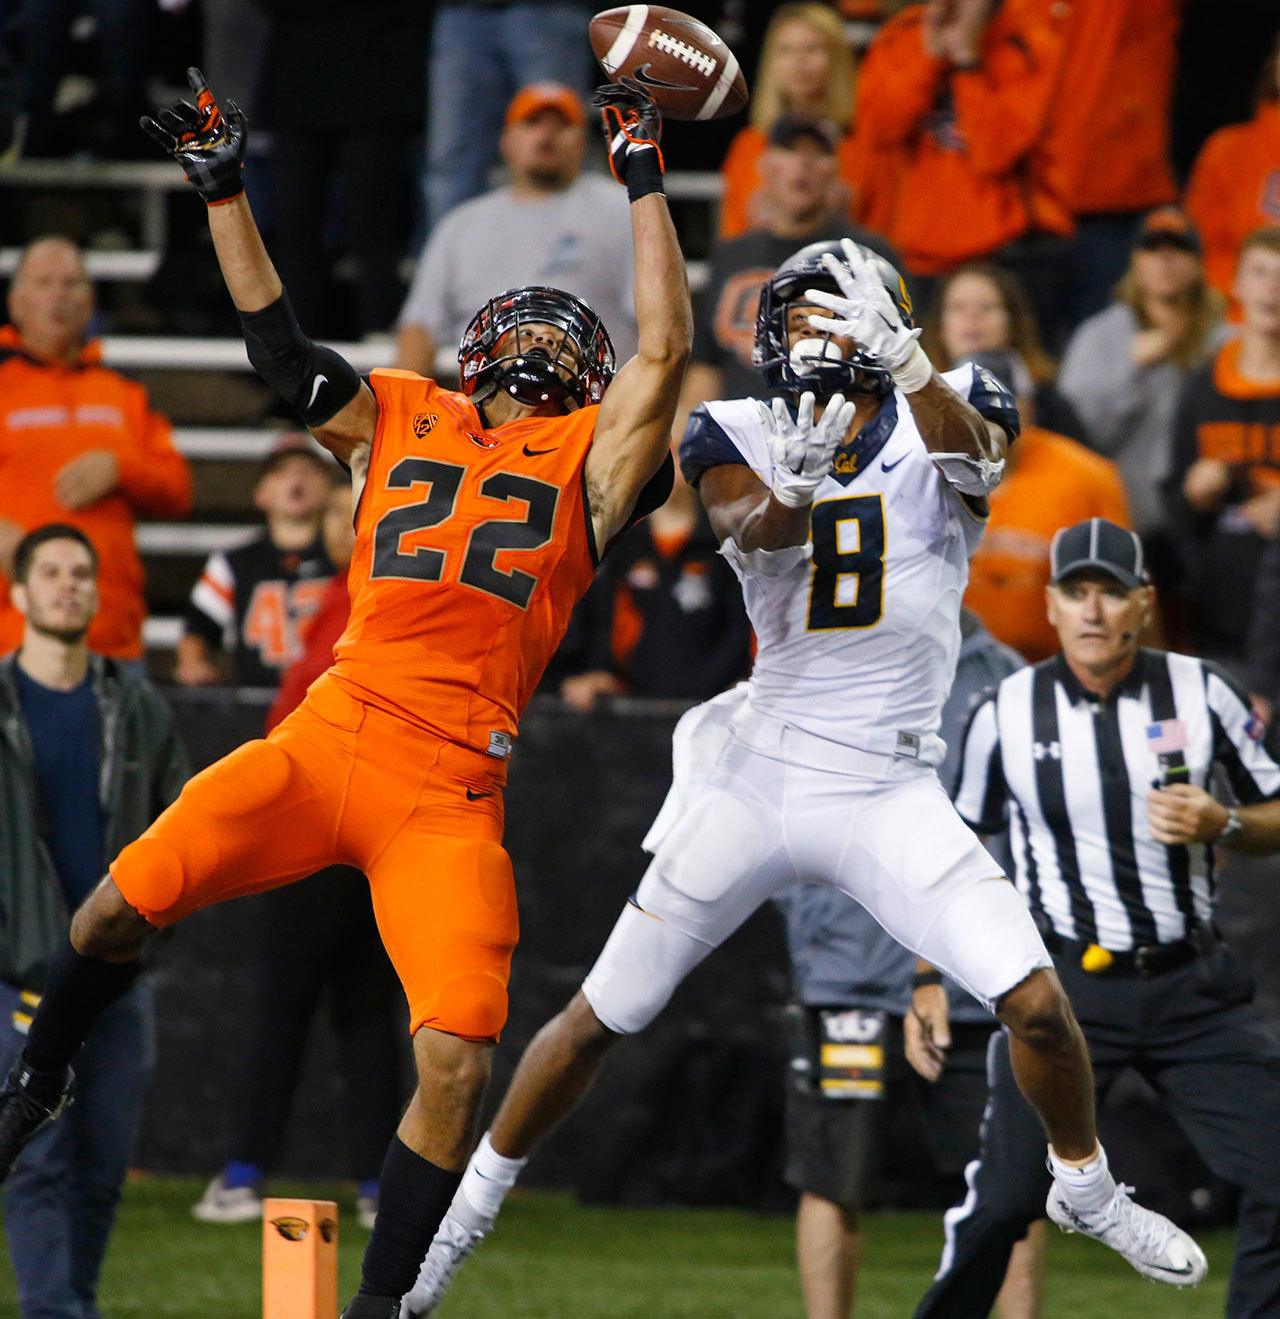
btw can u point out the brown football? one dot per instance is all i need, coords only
(685, 67)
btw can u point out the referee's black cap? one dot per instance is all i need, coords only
(1100, 545)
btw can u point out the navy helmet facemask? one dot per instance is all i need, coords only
(533, 375)
(816, 363)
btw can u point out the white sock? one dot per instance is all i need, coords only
(1088, 1188)
(488, 1178)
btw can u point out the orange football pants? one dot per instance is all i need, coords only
(342, 782)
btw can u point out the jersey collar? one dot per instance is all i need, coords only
(854, 457)
(1130, 685)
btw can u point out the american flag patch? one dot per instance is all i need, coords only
(1167, 736)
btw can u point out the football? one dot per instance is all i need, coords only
(685, 67)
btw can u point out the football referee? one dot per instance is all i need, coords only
(1101, 755)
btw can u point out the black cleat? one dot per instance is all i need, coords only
(372, 1307)
(29, 1101)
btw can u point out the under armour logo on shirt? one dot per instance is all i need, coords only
(1053, 750)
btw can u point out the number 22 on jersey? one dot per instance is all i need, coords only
(847, 586)
(488, 537)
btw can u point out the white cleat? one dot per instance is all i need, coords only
(449, 1250)
(1157, 1248)
(223, 1204)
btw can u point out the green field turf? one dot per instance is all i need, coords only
(553, 1260)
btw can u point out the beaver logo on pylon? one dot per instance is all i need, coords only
(292, 1229)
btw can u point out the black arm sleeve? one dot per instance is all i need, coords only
(314, 380)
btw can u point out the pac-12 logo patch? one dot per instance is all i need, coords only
(424, 423)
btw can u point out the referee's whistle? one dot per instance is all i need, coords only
(1095, 959)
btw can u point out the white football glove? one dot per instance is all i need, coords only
(801, 450)
(866, 314)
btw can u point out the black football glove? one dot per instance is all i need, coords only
(208, 144)
(632, 130)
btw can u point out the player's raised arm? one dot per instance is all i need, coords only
(774, 518)
(321, 386)
(968, 449)
(633, 432)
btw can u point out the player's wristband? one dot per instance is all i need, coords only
(915, 373)
(644, 174)
(922, 979)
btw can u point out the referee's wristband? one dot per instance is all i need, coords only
(923, 978)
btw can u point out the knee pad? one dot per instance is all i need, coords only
(639, 969)
(151, 877)
(473, 1007)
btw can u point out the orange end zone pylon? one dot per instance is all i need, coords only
(299, 1259)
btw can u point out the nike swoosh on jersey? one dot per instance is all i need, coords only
(888, 467)
(537, 453)
(315, 389)
(645, 78)
(473, 795)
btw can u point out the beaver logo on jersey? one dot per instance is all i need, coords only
(424, 423)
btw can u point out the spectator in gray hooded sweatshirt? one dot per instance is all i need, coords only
(1124, 368)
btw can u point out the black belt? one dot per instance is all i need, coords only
(1152, 959)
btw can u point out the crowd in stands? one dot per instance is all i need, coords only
(1012, 159)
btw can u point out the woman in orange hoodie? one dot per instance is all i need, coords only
(1235, 183)
(806, 68)
(964, 102)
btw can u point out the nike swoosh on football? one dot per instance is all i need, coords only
(888, 467)
(472, 795)
(645, 78)
(535, 453)
(315, 389)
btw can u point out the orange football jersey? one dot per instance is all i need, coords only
(472, 548)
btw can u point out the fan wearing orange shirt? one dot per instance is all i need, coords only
(480, 519)
(1234, 186)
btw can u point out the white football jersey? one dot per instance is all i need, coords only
(859, 644)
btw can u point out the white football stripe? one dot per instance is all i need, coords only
(637, 17)
(727, 76)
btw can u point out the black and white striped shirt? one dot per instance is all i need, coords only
(1074, 771)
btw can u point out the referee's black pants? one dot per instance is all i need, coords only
(1194, 1036)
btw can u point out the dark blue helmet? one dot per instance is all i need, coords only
(858, 374)
(537, 376)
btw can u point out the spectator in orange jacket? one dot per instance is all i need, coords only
(1050, 482)
(1235, 183)
(1108, 134)
(806, 68)
(964, 100)
(78, 444)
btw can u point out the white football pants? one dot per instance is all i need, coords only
(758, 805)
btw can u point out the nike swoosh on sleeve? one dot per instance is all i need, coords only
(315, 389)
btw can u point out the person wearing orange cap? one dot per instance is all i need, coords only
(79, 444)
(551, 224)
(1235, 182)
(481, 53)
